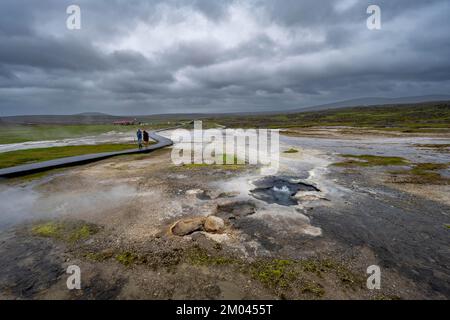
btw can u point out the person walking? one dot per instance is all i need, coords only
(139, 138)
(146, 138)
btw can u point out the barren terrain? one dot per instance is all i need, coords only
(115, 220)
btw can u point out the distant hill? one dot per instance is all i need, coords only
(410, 117)
(84, 118)
(372, 101)
(103, 118)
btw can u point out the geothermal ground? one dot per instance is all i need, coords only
(339, 203)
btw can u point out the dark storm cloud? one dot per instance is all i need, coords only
(138, 57)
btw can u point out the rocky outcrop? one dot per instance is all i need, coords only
(188, 226)
(214, 224)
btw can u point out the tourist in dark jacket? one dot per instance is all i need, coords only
(146, 138)
(139, 138)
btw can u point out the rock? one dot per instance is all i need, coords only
(308, 196)
(187, 226)
(227, 195)
(214, 224)
(194, 191)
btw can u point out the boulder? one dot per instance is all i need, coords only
(214, 224)
(187, 226)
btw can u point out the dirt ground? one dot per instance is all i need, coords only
(113, 220)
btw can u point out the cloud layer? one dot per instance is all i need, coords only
(144, 57)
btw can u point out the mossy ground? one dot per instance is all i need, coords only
(418, 173)
(422, 173)
(67, 231)
(444, 148)
(283, 277)
(229, 162)
(128, 258)
(274, 273)
(370, 161)
(291, 150)
(200, 257)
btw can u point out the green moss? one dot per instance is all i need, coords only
(282, 276)
(68, 231)
(321, 266)
(83, 232)
(447, 226)
(445, 148)
(201, 257)
(420, 167)
(128, 258)
(291, 150)
(274, 273)
(99, 256)
(230, 162)
(423, 173)
(313, 288)
(370, 160)
(49, 230)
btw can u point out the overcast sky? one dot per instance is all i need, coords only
(146, 57)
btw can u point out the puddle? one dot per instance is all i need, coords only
(279, 190)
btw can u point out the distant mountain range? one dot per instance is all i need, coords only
(365, 102)
(103, 118)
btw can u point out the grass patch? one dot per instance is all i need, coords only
(291, 150)
(66, 231)
(437, 147)
(422, 173)
(370, 160)
(12, 133)
(19, 157)
(23, 133)
(433, 146)
(420, 117)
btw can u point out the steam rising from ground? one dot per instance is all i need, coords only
(21, 204)
(16, 205)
